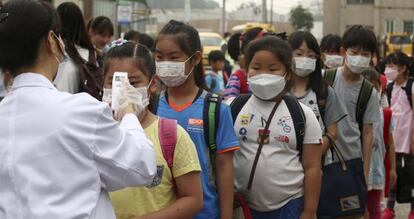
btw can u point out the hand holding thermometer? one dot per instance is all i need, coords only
(117, 80)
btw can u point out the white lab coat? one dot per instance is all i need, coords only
(61, 153)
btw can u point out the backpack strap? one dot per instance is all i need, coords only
(330, 76)
(408, 90)
(387, 124)
(167, 133)
(211, 118)
(322, 100)
(299, 120)
(390, 86)
(363, 99)
(237, 105)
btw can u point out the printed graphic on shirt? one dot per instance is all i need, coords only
(263, 134)
(283, 122)
(157, 179)
(195, 125)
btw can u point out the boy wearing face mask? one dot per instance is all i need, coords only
(355, 138)
(331, 49)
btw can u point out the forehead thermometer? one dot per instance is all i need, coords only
(117, 80)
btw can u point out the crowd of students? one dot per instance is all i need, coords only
(298, 130)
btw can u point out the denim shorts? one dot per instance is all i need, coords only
(292, 210)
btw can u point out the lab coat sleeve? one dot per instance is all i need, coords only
(123, 154)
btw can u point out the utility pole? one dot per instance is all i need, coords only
(264, 11)
(271, 12)
(187, 8)
(223, 17)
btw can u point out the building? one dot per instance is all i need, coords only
(382, 16)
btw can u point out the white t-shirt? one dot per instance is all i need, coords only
(279, 173)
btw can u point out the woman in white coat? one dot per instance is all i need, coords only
(59, 153)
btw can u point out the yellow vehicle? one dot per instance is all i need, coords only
(398, 42)
(247, 26)
(210, 41)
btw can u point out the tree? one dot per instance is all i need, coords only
(301, 18)
(250, 5)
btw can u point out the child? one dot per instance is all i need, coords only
(376, 178)
(237, 45)
(176, 190)
(206, 119)
(285, 181)
(310, 88)
(215, 77)
(356, 135)
(400, 99)
(330, 47)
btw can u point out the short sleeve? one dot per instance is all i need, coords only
(334, 111)
(226, 137)
(313, 133)
(372, 111)
(185, 154)
(208, 80)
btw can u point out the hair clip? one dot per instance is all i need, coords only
(118, 42)
(3, 16)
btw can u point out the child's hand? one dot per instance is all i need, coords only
(393, 177)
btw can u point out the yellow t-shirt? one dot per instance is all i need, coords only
(139, 201)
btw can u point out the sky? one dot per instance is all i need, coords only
(279, 6)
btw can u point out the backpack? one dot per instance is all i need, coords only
(295, 110)
(167, 134)
(363, 97)
(407, 88)
(211, 118)
(91, 78)
(241, 75)
(387, 124)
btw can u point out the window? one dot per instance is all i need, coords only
(359, 2)
(408, 26)
(389, 26)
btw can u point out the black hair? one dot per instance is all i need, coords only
(278, 47)
(238, 42)
(23, 31)
(146, 40)
(74, 31)
(131, 35)
(101, 25)
(143, 60)
(359, 37)
(331, 43)
(316, 82)
(226, 34)
(373, 76)
(400, 59)
(188, 39)
(216, 55)
(143, 57)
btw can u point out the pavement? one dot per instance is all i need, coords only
(402, 211)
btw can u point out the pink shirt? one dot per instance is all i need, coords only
(403, 119)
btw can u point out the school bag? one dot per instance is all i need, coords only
(167, 134)
(407, 88)
(363, 97)
(295, 110)
(211, 118)
(387, 124)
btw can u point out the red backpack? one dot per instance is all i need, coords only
(387, 123)
(241, 75)
(167, 133)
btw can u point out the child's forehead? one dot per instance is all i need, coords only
(129, 65)
(359, 49)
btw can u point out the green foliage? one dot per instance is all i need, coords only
(301, 18)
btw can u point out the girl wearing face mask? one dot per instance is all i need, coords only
(178, 63)
(63, 151)
(397, 71)
(331, 48)
(176, 191)
(280, 181)
(310, 88)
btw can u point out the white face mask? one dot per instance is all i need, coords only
(334, 61)
(172, 74)
(61, 64)
(304, 66)
(357, 64)
(142, 91)
(267, 86)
